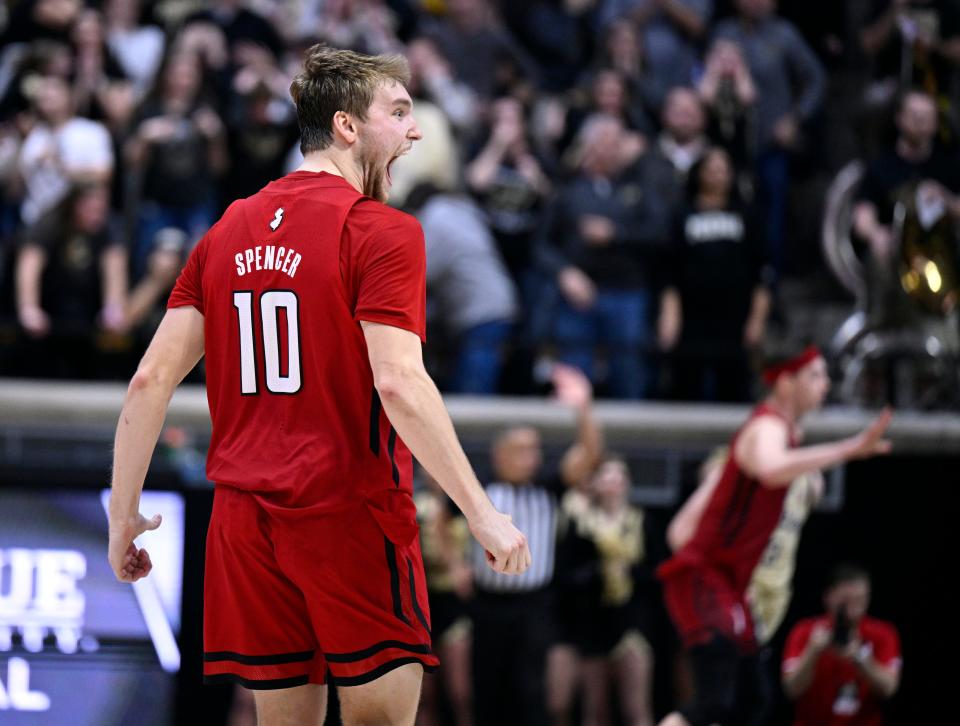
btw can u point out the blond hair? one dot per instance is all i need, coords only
(339, 80)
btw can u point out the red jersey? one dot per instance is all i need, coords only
(838, 694)
(737, 523)
(283, 281)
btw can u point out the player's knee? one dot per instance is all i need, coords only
(378, 713)
(390, 700)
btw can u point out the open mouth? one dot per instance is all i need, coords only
(392, 160)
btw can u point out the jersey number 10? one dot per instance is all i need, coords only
(271, 303)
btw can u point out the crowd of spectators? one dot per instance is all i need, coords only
(622, 185)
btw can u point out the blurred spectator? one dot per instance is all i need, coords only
(178, 148)
(729, 94)
(434, 160)
(839, 668)
(138, 48)
(483, 54)
(715, 307)
(512, 623)
(616, 654)
(608, 93)
(912, 173)
(432, 78)
(672, 33)
(510, 182)
(790, 85)
(473, 294)
(681, 143)
(261, 126)
(622, 50)
(445, 542)
(243, 29)
(598, 240)
(31, 20)
(96, 72)
(557, 33)
(911, 160)
(71, 279)
(363, 25)
(61, 149)
(913, 43)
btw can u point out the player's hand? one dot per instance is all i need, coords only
(870, 441)
(128, 562)
(506, 546)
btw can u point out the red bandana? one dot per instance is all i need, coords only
(771, 374)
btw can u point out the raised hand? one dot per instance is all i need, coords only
(870, 441)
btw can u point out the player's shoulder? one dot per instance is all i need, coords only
(373, 225)
(368, 212)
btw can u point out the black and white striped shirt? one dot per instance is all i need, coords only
(534, 511)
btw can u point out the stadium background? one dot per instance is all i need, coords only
(895, 516)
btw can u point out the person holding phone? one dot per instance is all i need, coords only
(838, 668)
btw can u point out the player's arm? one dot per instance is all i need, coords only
(175, 349)
(684, 522)
(763, 450)
(415, 408)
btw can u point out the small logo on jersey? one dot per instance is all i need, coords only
(277, 219)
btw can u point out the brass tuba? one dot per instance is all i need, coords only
(926, 240)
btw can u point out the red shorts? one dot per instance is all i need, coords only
(703, 603)
(304, 598)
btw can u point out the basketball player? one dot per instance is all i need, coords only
(770, 588)
(307, 300)
(705, 582)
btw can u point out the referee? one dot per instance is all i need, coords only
(512, 619)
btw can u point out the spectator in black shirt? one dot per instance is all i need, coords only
(242, 27)
(96, 72)
(261, 126)
(680, 144)
(509, 180)
(729, 95)
(914, 43)
(715, 308)
(913, 159)
(71, 281)
(599, 240)
(179, 149)
(926, 181)
(483, 53)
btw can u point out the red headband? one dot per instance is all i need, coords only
(771, 374)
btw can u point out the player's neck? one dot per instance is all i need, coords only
(783, 406)
(333, 162)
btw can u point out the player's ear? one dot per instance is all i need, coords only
(345, 126)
